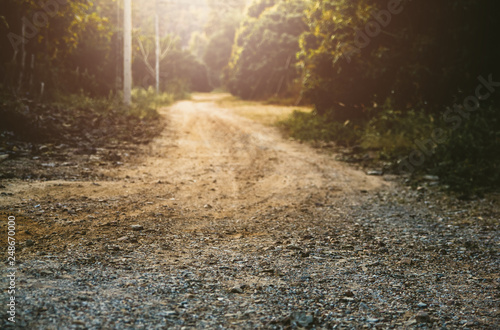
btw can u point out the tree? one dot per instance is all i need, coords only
(127, 52)
(357, 54)
(53, 30)
(220, 30)
(264, 55)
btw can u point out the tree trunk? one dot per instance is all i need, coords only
(23, 59)
(157, 50)
(127, 52)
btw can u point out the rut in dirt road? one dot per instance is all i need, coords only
(223, 223)
(236, 162)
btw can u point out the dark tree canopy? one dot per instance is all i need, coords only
(264, 55)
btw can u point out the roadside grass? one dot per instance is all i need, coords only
(68, 117)
(467, 161)
(267, 114)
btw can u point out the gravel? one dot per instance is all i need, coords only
(220, 223)
(390, 260)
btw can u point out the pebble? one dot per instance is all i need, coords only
(236, 289)
(207, 279)
(423, 317)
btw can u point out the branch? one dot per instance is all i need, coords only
(165, 52)
(145, 56)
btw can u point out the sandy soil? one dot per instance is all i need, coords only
(211, 162)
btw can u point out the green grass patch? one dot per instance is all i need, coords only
(308, 126)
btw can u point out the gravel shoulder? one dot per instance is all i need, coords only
(220, 222)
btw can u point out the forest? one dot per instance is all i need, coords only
(249, 164)
(413, 82)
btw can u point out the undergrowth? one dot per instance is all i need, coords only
(467, 159)
(80, 115)
(312, 127)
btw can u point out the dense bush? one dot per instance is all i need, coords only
(357, 54)
(263, 60)
(394, 133)
(311, 127)
(224, 19)
(469, 160)
(402, 76)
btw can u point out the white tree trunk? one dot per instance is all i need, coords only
(127, 52)
(157, 49)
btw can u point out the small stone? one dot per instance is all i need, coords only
(170, 313)
(208, 206)
(4, 157)
(349, 293)
(411, 322)
(431, 178)
(362, 305)
(137, 227)
(45, 272)
(421, 305)
(347, 299)
(375, 173)
(372, 320)
(405, 261)
(43, 148)
(302, 319)
(123, 239)
(423, 317)
(236, 289)
(29, 243)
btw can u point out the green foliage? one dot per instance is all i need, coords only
(218, 50)
(394, 133)
(180, 71)
(312, 127)
(79, 118)
(413, 60)
(256, 8)
(79, 49)
(469, 161)
(263, 59)
(74, 42)
(225, 17)
(420, 63)
(144, 103)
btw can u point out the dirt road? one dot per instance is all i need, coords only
(221, 222)
(215, 158)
